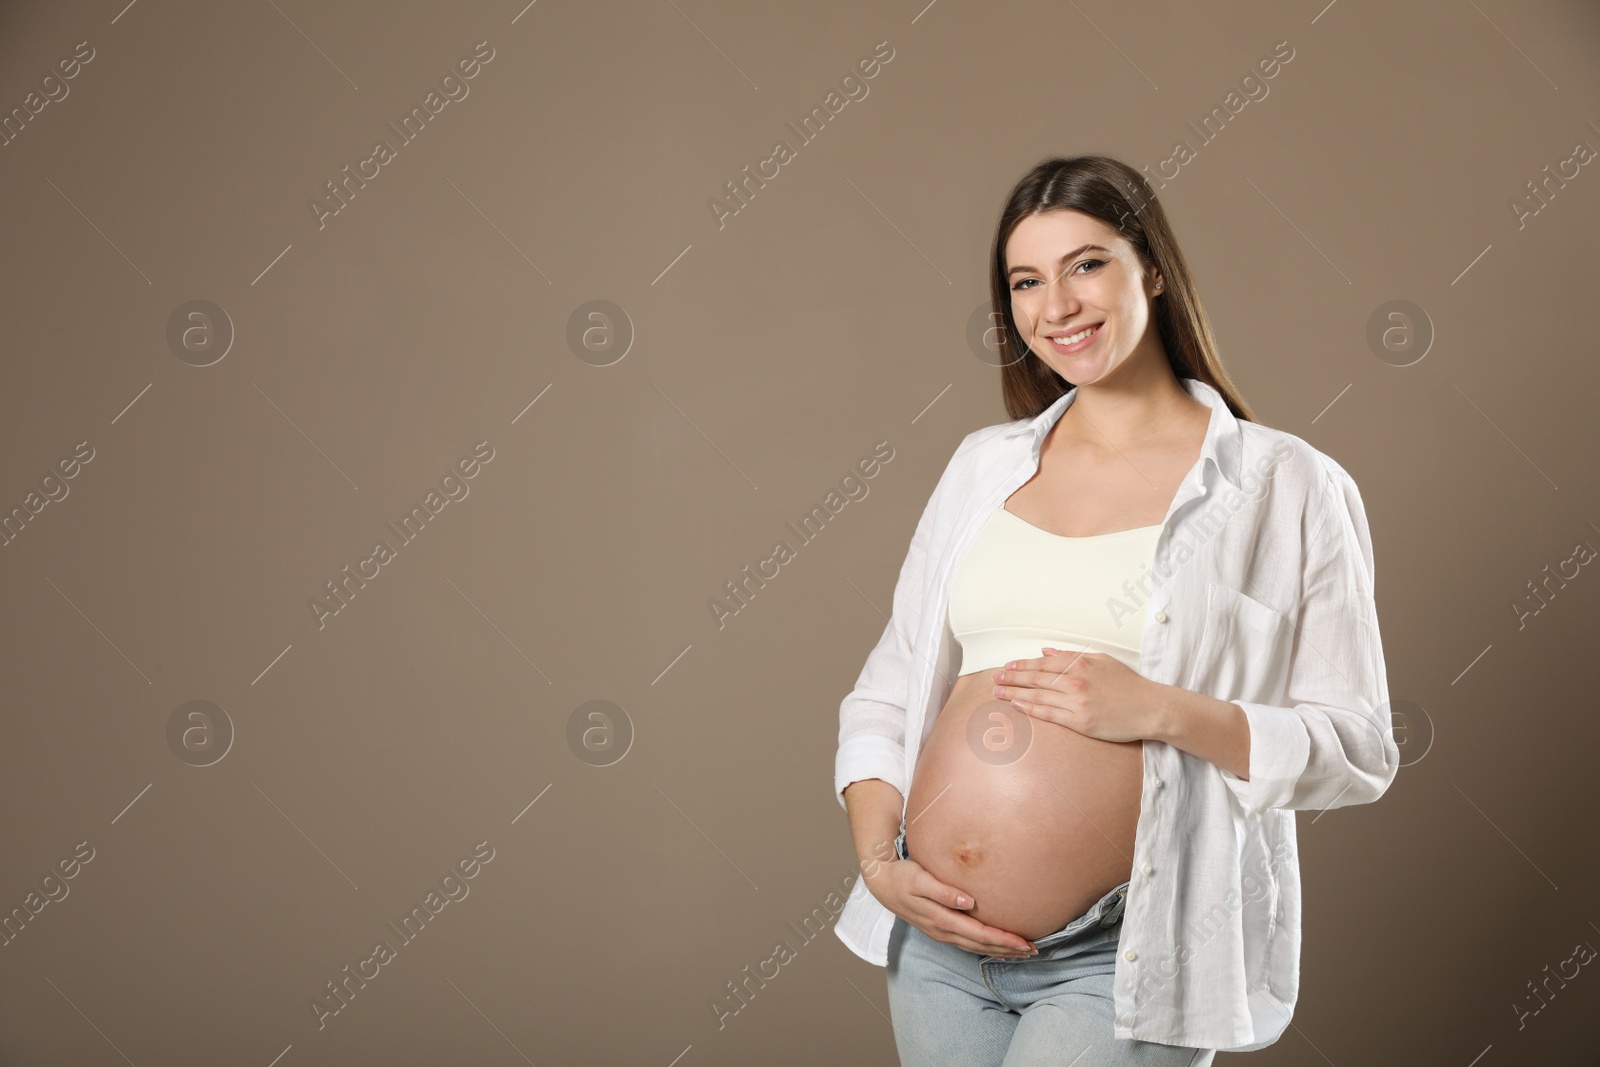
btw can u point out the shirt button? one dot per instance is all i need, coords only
(1130, 955)
(1158, 781)
(1161, 616)
(1147, 868)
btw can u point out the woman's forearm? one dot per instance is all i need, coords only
(874, 806)
(1215, 730)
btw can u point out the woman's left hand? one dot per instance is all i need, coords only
(1093, 693)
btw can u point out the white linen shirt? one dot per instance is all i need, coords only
(1261, 594)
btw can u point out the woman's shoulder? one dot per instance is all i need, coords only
(983, 435)
(981, 445)
(1307, 478)
(1279, 451)
(971, 458)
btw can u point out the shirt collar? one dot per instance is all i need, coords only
(1223, 446)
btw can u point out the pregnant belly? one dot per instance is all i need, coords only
(1033, 820)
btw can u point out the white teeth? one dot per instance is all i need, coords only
(1075, 338)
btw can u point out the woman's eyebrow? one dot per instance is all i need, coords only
(1076, 251)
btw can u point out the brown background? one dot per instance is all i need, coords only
(369, 756)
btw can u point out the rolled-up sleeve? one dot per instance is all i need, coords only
(872, 719)
(1332, 745)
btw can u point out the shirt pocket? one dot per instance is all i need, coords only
(1244, 650)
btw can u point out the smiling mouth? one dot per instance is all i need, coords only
(1078, 338)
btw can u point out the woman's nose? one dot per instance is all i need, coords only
(1059, 301)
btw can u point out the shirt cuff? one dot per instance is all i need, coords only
(868, 756)
(1279, 749)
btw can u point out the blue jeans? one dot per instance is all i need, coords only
(954, 1008)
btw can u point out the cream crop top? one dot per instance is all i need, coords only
(1019, 588)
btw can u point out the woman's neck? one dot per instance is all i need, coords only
(1136, 409)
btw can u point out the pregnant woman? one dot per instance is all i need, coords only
(1135, 631)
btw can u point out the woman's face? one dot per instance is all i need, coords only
(1070, 272)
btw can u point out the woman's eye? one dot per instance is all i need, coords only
(1095, 263)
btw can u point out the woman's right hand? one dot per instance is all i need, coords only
(906, 888)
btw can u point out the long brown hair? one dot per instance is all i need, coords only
(1116, 194)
